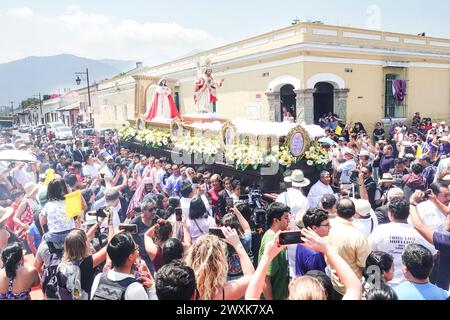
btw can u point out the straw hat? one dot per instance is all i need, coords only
(5, 213)
(30, 188)
(445, 139)
(387, 177)
(362, 207)
(350, 152)
(298, 179)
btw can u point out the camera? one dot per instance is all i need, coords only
(100, 213)
(427, 195)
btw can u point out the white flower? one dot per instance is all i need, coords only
(310, 163)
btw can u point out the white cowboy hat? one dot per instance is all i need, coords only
(298, 179)
(30, 188)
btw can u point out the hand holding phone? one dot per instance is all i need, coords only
(179, 214)
(290, 237)
(217, 232)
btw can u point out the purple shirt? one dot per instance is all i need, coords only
(444, 149)
(386, 164)
(441, 242)
(307, 260)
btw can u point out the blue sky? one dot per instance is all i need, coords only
(119, 29)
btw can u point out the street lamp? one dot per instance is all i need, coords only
(78, 81)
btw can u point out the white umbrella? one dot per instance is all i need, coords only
(17, 155)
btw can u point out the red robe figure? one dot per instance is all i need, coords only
(163, 107)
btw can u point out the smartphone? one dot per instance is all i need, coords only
(217, 232)
(132, 228)
(179, 214)
(101, 213)
(290, 237)
(229, 202)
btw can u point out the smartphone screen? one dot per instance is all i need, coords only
(290, 237)
(229, 202)
(217, 232)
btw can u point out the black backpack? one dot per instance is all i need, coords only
(49, 277)
(112, 290)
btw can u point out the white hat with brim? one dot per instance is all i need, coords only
(445, 139)
(362, 207)
(387, 177)
(298, 179)
(5, 214)
(30, 188)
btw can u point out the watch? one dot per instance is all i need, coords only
(412, 203)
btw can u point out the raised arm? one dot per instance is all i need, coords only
(343, 270)
(417, 221)
(150, 246)
(244, 223)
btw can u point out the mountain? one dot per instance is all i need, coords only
(24, 78)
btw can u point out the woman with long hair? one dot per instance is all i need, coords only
(208, 258)
(16, 280)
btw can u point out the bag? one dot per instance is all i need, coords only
(69, 282)
(112, 290)
(49, 279)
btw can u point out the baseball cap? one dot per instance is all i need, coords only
(328, 201)
(409, 156)
(425, 158)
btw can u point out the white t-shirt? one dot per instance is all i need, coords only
(393, 238)
(186, 204)
(431, 215)
(203, 224)
(135, 291)
(57, 220)
(346, 170)
(366, 226)
(91, 170)
(295, 200)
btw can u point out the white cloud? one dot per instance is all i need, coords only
(20, 12)
(93, 35)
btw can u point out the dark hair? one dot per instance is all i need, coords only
(346, 208)
(172, 250)
(71, 180)
(399, 161)
(227, 179)
(120, 247)
(418, 260)
(275, 211)
(197, 208)
(368, 167)
(381, 292)
(380, 259)
(11, 257)
(16, 194)
(436, 187)
(399, 208)
(56, 190)
(186, 189)
(77, 164)
(231, 220)
(163, 230)
(417, 168)
(314, 217)
(175, 281)
(235, 184)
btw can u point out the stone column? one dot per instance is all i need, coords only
(274, 106)
(340, 103)
(305, 105)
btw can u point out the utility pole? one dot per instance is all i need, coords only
(12, 107)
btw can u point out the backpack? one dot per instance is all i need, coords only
(68, 277)
(49, 279)
(112, 290)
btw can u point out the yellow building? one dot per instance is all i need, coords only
(313, 69)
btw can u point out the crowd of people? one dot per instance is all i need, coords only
(376, 225)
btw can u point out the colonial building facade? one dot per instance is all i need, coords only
(310, 69)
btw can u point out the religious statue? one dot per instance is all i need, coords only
(205, 91)
(163, 105)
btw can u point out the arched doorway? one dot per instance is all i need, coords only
(288, 100)
(323, 100)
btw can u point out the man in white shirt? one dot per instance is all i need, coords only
(91, 169)
(394, 237)
(187, 194)
(298, 203)
(123, 252)
(346, 169)
(319, 189)
(365, 219)
(112, 198)
(431, 216)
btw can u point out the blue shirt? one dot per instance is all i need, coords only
(413, 291)
(307, 260)
(34, 232)
(171, 185)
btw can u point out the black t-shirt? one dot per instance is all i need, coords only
(379, 132)
(88, 273)
(139, 237)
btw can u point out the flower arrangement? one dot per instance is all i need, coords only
(205, 146)
(127, 133)
(244, 156)
(154, 137)
(317, 157)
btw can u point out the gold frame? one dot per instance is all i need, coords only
(306, 140)
(226, 126)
